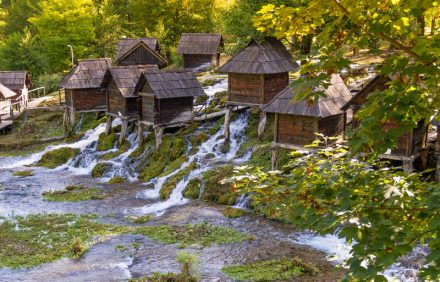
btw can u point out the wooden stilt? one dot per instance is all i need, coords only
(424, 157)
(408, 166)
(275, 154)
(123, 134)
(227, 132)
(66, 120)
(108, 125)
(158, 131)
(261, 125)
(140, 133)
(72, 117)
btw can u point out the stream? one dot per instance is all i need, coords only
(21, 196)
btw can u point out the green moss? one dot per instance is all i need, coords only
(201, 100)
(100, 169)
(218, 103)
(140, 219)
(174, 165)
(74, 193)
(197, 139)
(91, 120)
(23, 173)
(225, 147)
(210, 82)
(106, 142)
(230, 212)
(157, 162)
(57, 157)
(122, 149)
(171, 183)
(214, 190)
(36, 239)
(121, 248)
(192, 189)
(203, 234)
(117, 180)
(178, 148)
(270, 270)
(166, 277)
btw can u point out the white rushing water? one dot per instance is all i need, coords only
(210, 147)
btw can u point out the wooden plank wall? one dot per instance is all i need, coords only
(140, 56)
(116, 102)
(148, 110)
(89, 99)
(419, 138)
(246, 88)
(175, 110)
(332, 126)
(296, 130)
(193, 61)
(273, 84)
(69, 99)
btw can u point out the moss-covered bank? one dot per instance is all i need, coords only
(57, 157)
(74, 193)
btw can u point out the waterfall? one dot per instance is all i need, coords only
(243, 202)
(211, 147)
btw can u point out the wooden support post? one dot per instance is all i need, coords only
(140, 133)
(108, 125)
(227, 129)
(158, 131)
(66, 120)
(123, 131)
(275, 154)
(72, 117)
(408, 166)
(261, 125)
(424, 157)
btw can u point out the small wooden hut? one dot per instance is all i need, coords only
(122, 101)
(410, 144)
(200, 50)
(297, 123)
(167, 99)
(256, 75)
(17, 81)
(139, 51)
(83, 87)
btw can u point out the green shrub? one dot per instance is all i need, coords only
(57, 157)
(50, 81)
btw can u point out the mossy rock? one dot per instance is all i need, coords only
(23, 173)
(57, 157)
(214, 190)
(231, 212)
(122, 149)
(201, 99)
(106, 142)
(171, 183)
(192, 189)
(100, 169)
(74, 193)
(117, 180)
(140, 219)
(225, 147)
(210, 82)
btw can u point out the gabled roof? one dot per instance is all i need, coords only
(6, 93)
(88, 73)
(120, 55)
(268, 57)
(200, 43)
(126, 44)
(14, 79)
(377, 81)
(127, 77)
(337, 94)
(172, 84)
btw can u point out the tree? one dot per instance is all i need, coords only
(62, 23)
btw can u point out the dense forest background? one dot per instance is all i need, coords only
(34, 34)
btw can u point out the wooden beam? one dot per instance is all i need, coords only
(140, 133)
(275, 155)
(227, 129)
(158, 131)
(123, 131)
(108, 125)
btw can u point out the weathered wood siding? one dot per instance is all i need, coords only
(115, 101)
(175, 110)
(194, 61)
(332, 126)
(296, 130)
(68, 97)
(419, 138)
(139, 56)
(86, 99)
(246, 88)
(148, 110)
(273, 84)
(131, 106)
(411, 142)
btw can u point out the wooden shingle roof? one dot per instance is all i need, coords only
(173, 84)
(337, 94)
(88, 73)
(127, 77)
(268, 57)
(126, 44)
(200, 43)
(14, 79)
(6, 93)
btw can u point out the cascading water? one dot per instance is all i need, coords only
(210, 147)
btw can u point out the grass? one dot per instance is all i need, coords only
(140, 219)
(202, 234)
(117, 180)
(36, 239)
(122, 149)
(270, 270)
(230, 212)
(57, 157)
(100, 169)
(74, 193)
(23, 173)
(192, 189)
(106, 142)
(171, 183)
